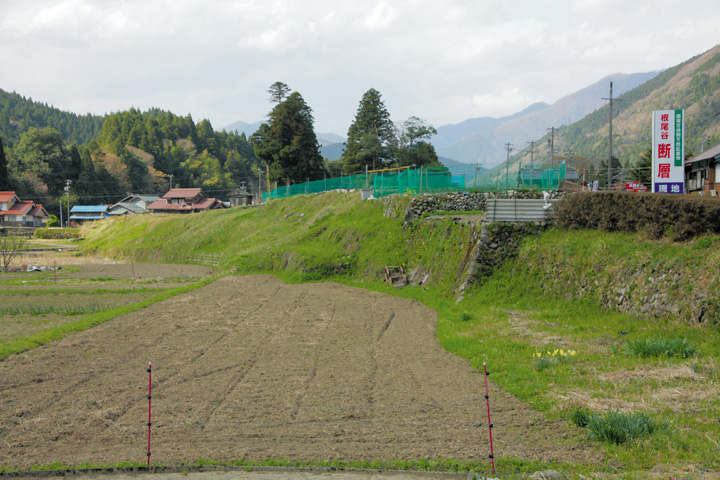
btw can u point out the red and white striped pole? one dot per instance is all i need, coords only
(490, 425)
(149, 370)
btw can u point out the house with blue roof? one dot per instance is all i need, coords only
(80, 214)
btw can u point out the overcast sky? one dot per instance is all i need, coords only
(444, 61)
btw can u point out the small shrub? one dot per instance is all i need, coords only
(581, 417)
(617, 428)
(464, 317)
(544, 363)
(660, 347)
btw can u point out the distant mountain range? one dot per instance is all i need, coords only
(483, 139)
(693, 85)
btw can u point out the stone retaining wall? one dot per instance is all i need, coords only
(498, 243)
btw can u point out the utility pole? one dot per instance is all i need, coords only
(552, 145)
(609, 185)
(170, 176)
(509, 149)
(67, 199)
(532, 151)
(259, 186)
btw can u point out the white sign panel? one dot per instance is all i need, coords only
(668, 151)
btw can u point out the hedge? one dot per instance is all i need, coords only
(57, 233)
(680, 217)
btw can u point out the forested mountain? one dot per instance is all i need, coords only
(18, 114)
(693, 86)
(143, 148)
(132, 151)
(483, 139)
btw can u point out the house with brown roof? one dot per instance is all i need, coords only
(21, 213)
(184, 200)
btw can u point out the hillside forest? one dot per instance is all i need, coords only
(105, 158)
(693, 85)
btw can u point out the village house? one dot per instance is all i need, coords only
(702, 173)
(80, 214)
(240, 198)
(184, 200)
(132, 204)
(21, 213)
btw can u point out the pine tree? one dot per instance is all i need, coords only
(371, 136)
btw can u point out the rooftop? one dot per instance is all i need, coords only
(183, 193)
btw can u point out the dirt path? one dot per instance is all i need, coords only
(250, 367)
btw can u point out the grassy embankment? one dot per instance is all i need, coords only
(506, 323)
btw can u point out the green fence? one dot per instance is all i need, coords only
(522, 177)
(382, 184)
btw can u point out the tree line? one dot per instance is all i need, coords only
(104, 158)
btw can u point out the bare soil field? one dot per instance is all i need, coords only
(250, 367)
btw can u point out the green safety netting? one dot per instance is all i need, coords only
(382, 184)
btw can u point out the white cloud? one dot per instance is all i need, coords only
(443, 62)
(381, 16)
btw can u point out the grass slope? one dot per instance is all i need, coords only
(512, 323)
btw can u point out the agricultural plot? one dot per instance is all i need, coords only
(33, 302)
(252, 368)
(23, 315)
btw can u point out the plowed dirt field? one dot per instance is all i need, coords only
(251, 367)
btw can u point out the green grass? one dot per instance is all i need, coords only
(660, 347)
(51, 309)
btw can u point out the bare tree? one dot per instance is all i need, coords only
(10, 247)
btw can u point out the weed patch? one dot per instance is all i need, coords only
(660, 347)
(614, 427)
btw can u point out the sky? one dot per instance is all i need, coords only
(444, 61)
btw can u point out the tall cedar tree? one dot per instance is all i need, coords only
(287, 143)
(371, 136)
(278, 91)
(4, 178)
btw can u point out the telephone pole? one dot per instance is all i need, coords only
(532, 151)
(67, 199)
(552, 145)
(609, 184)
(509, 149)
